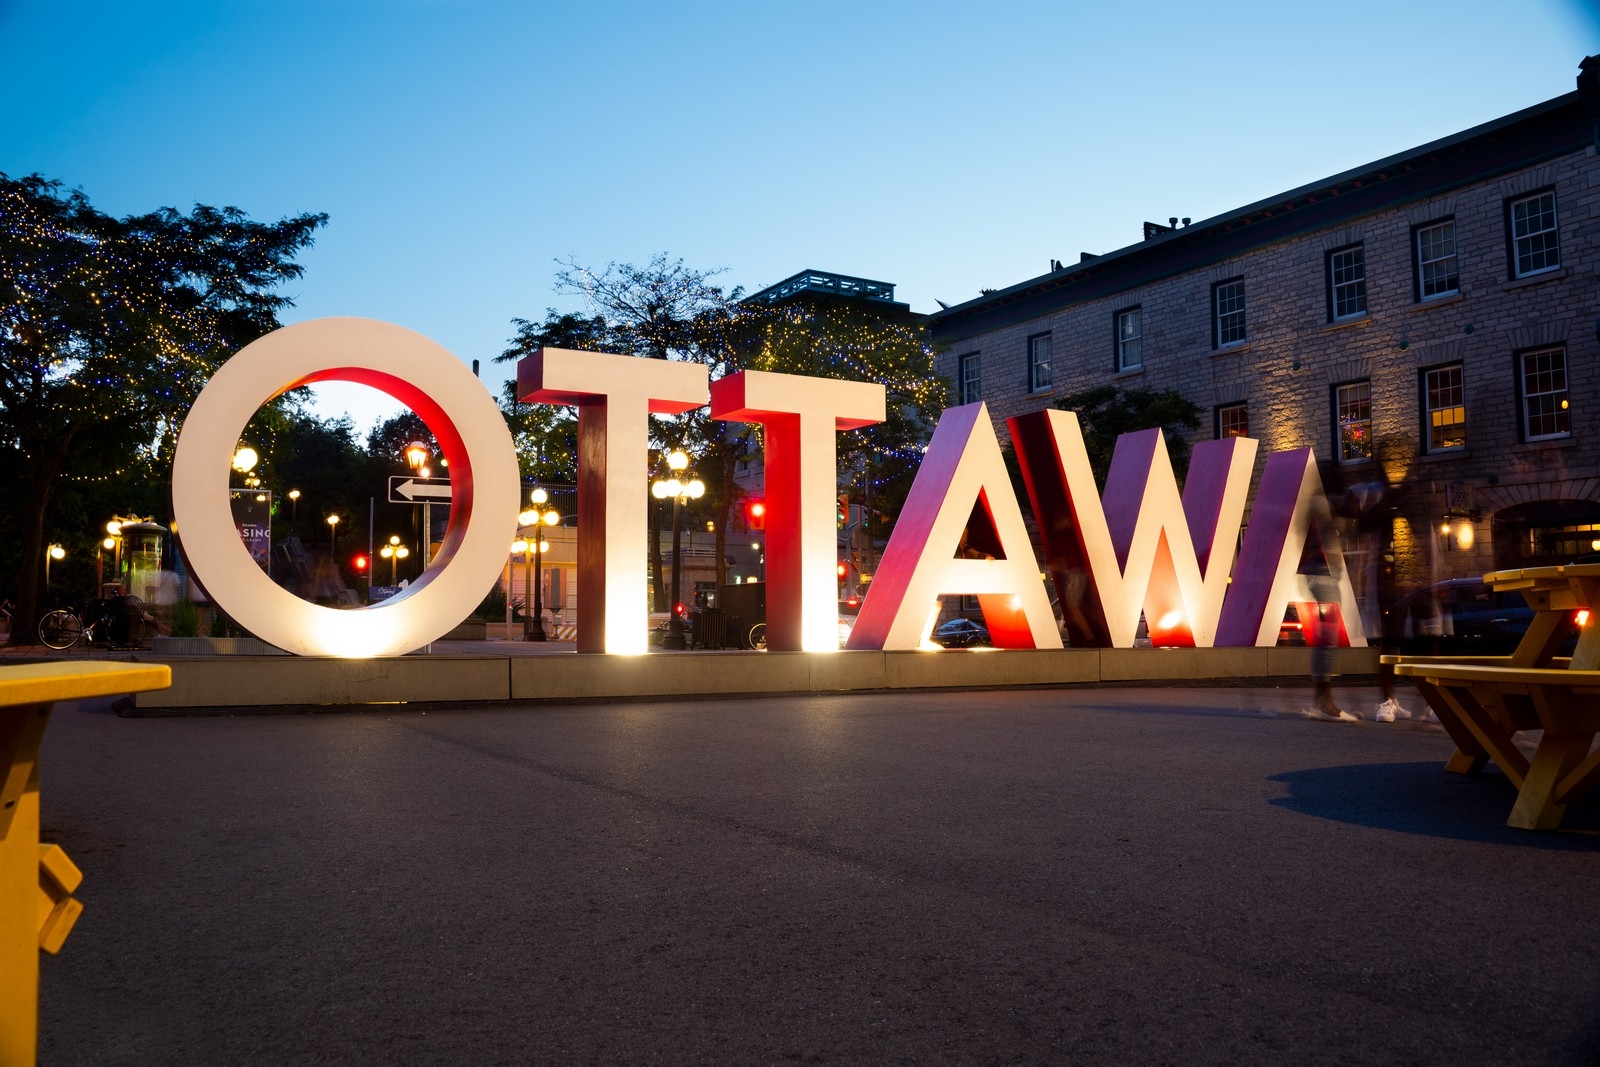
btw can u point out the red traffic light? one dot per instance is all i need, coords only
(842, 569)
(360, 563)
(756, 515)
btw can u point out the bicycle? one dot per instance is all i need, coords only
(119, 622)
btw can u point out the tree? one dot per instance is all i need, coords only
(108, 329)
(667, 310)
(656, 311)
(856, 340)
(1106, 413)
(388, 441)
(546, 437)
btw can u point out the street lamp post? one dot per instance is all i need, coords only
(114, 542)
(54, 552)
(417, 456)
(394, 552)
(541, 516)
(294, 512)
(523, 545)
(333, 540)
(681, 493)
(100, 565)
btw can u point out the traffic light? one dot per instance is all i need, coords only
(360, 563)
(842, 569)
(756, 515)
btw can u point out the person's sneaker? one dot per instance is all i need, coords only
(1385, 712)
(1335, 715)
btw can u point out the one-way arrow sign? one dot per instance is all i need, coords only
(404, 489)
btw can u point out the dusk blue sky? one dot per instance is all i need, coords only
(460, 147)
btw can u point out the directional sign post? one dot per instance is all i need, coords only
(408, 489)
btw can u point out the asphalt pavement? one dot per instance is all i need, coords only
(1119, 876)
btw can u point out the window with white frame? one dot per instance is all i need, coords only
(1542, 376)
(1130, 339)
(1233, 420)
(1444, 409)
(970, 378)
(1227, 308)
(1534, 248)
(1039, 350)
(1352, 404)
(1437, 273)
(1347, 283)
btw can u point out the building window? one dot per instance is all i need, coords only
(1039, 348)
(1347, 283)
(1534, 248)
(971, 380)
(1352, 405)
(1542, 375)
(1130, 339)
(1435, 249)
(1233, 420)
(1444, 409)
(1227, 313)
(1559, 544)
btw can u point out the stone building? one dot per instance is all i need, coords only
(1428, 323)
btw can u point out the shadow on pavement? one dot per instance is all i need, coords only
(1423, 798)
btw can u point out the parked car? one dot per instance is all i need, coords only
(1291, 631)
(961, 633)
(1461, 616)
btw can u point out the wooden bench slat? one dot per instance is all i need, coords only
(45, 683)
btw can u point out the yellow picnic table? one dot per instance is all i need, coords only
(36, 880)
(1555, 594)
(1483, 702)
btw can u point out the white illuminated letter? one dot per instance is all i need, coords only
(614, 396)
(802, 415)
(464, 420)
(1290, 508)
(1145, 549)
(962, 478)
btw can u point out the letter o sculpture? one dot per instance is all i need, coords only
(484, 482)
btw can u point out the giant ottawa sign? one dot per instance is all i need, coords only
(1143, 547)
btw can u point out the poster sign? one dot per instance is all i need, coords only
(252, 515)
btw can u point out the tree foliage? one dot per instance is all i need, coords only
(668, 310)
(1106, 413)
(108, 329)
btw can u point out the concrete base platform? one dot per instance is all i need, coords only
(294, 681)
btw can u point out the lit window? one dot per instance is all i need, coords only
(1347, 282)
(1534, 248)
(1353, 413)
(971, 380)
(1233, 420)
(1227, 304)
(1444, 408)
(1548, 542)
(1039, 350)
(1545, 411)
(1437, 274)
(1130, 339)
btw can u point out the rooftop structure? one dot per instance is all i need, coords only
(822, 282)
